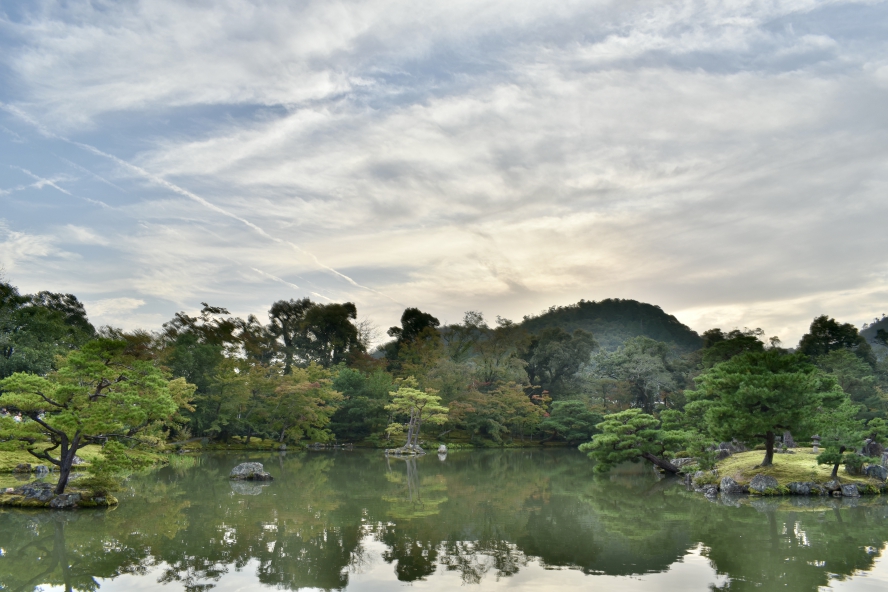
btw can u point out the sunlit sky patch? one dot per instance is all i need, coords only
(725, 160)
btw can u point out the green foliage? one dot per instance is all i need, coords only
(36, 329)
(630, 436)
(719, 346)
(503, 411)
(321, 333)
(362, 409)
(614, 321)
(418, 407)
(856, 378)
(827, 335)
(554, 356)
(644, 365)
(97, 393)
(572, 421)
(754, 396)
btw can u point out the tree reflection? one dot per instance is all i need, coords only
(480, 515)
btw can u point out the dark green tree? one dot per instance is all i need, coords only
(35, 329)
(720, 347)
(756, 395)
(554, 356)
(826, 335)
(633, 435)
(572, 421)
(642, 363)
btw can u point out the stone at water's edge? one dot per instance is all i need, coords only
(442, 449)
(850, 490)
(41, 495)
(801, 487)
(22, 468)
(730, 486)
(250, 471)
(760, 483)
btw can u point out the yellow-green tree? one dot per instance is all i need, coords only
(419, 407)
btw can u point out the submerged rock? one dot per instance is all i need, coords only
(250, 471)
(761, 483)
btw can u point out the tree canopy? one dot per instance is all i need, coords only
(756, 395)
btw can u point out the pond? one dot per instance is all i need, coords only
(484, 520)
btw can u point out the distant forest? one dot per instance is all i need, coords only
(307, 372)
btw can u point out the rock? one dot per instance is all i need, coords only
(850, 490)
(801, 487)
(760, 483)
(38, 491)
(41, 471)
(730, 486)
(250, 471)
(832, 486)
(65, 500)
(722, 454)
(77, 461)
(710, 490)
(877, 472)
(788, 442)
(442, 449)
(872, 448)
(282, 447)
(22, 468)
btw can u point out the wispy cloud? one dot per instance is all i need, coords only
(724, 160)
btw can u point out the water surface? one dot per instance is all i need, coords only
(485, 520)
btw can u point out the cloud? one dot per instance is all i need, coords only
(723, 160)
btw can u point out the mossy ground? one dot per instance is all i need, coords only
(799, 466)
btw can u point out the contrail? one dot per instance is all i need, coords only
(185, 193)
(41, 183)
(276, 278)
(89, 172)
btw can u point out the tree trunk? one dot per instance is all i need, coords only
(410, 429)
(67, 458)
(660, 462)
(416, 431)
(835, 471)
(769, 450)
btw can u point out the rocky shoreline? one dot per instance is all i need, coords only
(41, 495)
(765, 485)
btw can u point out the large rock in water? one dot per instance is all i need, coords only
(250, 471)
(760, 483)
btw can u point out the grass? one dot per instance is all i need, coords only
(9, 459)
(800, 466)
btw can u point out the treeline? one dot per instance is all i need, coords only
(309, 372)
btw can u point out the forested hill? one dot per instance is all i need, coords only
(613, 321)
(869, 332)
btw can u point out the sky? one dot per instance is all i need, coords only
(727, 161)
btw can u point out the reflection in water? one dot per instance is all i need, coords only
(482, 517)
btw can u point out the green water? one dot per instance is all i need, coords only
(517, 520)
